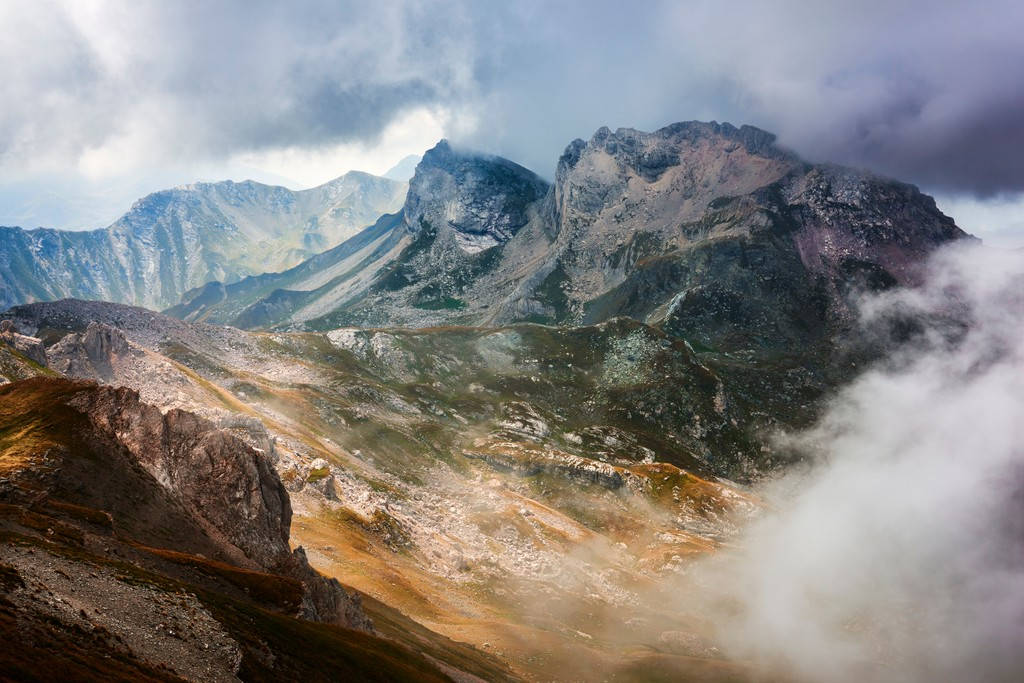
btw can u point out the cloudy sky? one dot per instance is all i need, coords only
(106, 101)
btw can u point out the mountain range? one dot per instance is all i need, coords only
(177, 239)
(507, 414)
(695, 227)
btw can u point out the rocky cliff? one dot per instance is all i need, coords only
(141, 546)
(482, 201)
(220, 498)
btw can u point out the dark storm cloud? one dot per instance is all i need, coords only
(927, 91)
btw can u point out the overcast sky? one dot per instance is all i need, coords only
(105, 101)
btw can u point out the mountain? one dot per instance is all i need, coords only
(693, 228)
(518, 412)
(174, 240)
(404, 169)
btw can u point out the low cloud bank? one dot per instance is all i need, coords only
(898, 555)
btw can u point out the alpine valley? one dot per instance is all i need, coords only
(474, 427)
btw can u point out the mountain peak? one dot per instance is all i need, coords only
(481, 197)
(443, 155)
(403, 170)
(651, 152)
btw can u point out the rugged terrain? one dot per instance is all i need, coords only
(710, 232)
(526, 489)
(178, 239)
(516, 412)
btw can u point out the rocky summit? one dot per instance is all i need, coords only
(705, 229)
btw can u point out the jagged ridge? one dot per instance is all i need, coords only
(174, 240)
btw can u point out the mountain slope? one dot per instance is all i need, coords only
(709, 231)
(174, 240)
(462, 206)
(142, 546)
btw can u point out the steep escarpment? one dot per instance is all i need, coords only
(722, 222)
(174, 240)
(482, 200)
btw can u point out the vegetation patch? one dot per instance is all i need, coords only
(446, 303)
(318, 474)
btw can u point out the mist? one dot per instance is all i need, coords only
(897, 554)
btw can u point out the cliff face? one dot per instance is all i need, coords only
(232, 491)
(172, 481)
(482, 201)
(174, 240)
(712, 221)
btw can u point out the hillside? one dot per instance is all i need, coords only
(136, 545)
(460, 475)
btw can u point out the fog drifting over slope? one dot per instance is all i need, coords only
(898, 555)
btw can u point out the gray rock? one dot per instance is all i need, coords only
(28, 346)
(710, 231)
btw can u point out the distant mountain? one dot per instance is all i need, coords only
(404, 169)
(478, 202)
(708, 231)
(174, 240)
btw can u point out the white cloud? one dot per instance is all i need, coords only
(412, 133)
(898, 556)
(998, 221)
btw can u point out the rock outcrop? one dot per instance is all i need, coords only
(482, 200)
(29, 347)
(207, 491)
(92, 354)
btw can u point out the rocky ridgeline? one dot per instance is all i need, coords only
(174, 240)
(482, 201)
(710, 231)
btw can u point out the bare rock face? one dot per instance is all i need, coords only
(229, 488)
(663, 177)
(709, 231)
(847, 217)
(482, 199)
(92, 354)
(30, 347)
(719, 236)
